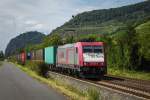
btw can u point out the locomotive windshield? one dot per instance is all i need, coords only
(93, 54)
(94, 49)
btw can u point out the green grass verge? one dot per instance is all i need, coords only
(71, 92)
(129, 73)
(0, 63)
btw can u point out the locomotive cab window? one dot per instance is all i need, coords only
(98, 49)
(94, 49)
(87, 49)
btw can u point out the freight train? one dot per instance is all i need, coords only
(84, 59)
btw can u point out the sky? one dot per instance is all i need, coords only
(18, 16)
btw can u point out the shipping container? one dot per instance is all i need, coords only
(50, 55)
(18, 57)
(28, 55)
(23, 57)
(39, 55)
(33, 55)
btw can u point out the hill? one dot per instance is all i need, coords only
(23, 40)
(105, 21)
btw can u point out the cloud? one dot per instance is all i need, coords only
(30, 22)
(17, 16)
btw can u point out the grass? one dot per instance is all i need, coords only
(0, 63)
(130, 74)
(93, 94)
(70, 91)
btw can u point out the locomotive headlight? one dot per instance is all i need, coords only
(97, 63)
(102, 63)
(85, 63)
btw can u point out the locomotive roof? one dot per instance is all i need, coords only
(67, 45)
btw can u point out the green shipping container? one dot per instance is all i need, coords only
(50, 55)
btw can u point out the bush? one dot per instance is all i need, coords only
(40, 67)
(43, 69)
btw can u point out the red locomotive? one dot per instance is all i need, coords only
(87, 59)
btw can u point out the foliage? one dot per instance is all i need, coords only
(1, 56)
(143, 37)
(123, 50)
(69, 39)
(38, 67)
(54, 39)
(120, 51)
(93, 94)
(143, 75)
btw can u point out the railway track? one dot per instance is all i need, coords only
(136, 87)
(137, 84)
(139, 88)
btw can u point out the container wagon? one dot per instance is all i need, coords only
(37, 55)
(21, 58)
(28, 55)
(50, 56)
(40, 55)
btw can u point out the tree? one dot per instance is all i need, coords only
(1, 55)
(69, 39)
(54, 39)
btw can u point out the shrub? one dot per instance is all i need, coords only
(38, 67)
(43, 69)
